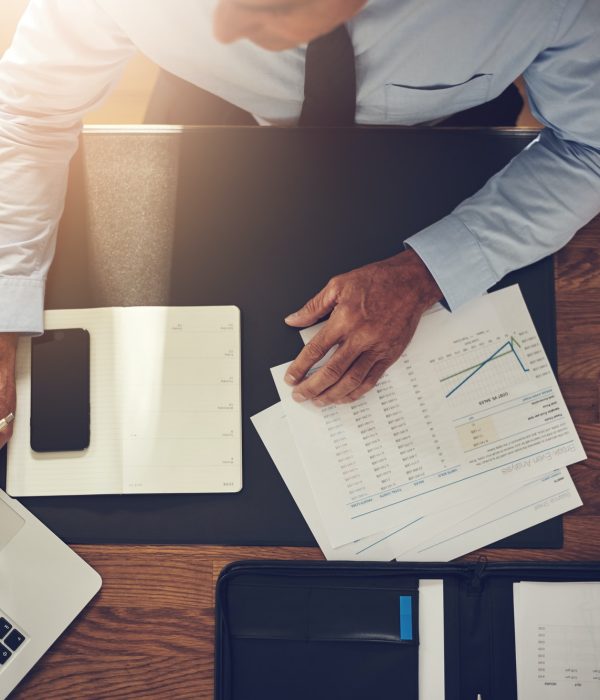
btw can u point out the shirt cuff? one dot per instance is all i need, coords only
(454, 258)
(22, 306)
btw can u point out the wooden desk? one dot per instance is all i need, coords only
(149, 633)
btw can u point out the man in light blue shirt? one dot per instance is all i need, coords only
(417, 61)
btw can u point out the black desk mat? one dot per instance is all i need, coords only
(264, 218)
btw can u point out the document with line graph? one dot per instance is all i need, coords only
(473, 394)
(450, 531)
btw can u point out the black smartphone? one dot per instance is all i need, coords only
(60, 391)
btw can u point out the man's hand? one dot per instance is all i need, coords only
(8, 396)
(374, 313)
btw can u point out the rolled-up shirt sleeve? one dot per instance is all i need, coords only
(64, 59)
(533, 206)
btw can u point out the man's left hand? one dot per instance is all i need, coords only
(374, 312)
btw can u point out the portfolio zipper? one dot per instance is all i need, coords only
(475, 572)
(548, 570)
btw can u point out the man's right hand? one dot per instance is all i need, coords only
(8, 394)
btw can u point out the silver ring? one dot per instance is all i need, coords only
(5, 422)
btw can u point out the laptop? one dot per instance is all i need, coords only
(44, 585)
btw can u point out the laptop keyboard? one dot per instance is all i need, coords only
(11, 639)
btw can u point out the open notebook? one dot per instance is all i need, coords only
(165, 400)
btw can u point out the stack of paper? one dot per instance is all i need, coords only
(463, 441)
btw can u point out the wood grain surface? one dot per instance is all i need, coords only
(149, 633)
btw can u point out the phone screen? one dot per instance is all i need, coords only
(60, 391)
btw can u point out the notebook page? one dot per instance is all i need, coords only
(557, 640)
(180, 402)
(95, 470)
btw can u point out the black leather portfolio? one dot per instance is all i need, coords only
(263, 218)
(324, 630)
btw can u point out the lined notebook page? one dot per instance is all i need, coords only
(180, 381)
(95, 470)
(165, 406)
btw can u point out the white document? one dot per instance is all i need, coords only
(497, 515)
(165, 404)
(431, 640)
(557, 640)
(441, 536)
(274, 431)
(473, 393)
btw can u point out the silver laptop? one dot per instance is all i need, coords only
(43, 587)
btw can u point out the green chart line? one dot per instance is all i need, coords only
(510, 344)
(468, 369)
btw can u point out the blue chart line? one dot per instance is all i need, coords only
(508, 344)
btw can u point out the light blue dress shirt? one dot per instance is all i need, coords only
(417, 61)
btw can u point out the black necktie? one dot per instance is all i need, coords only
(329, 81)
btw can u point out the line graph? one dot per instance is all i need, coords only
(510, 349)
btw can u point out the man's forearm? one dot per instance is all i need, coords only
(527, 211)
(64, 59)
(8, 395)
(546, 193)
(8, 354)
(8, 345)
